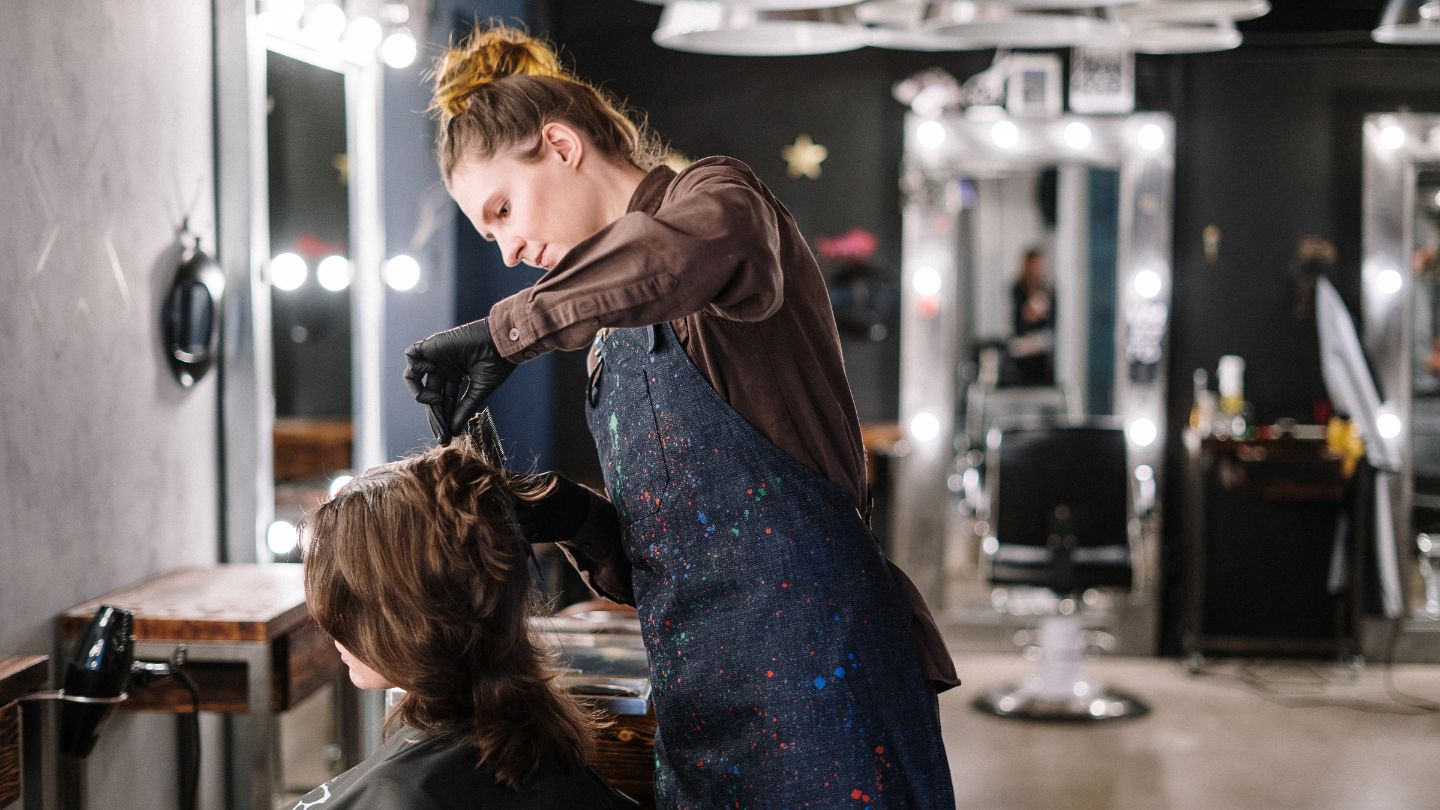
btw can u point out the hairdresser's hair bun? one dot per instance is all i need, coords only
(487, 56)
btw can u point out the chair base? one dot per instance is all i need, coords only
(1025, 701)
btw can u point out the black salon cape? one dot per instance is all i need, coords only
(412, 772)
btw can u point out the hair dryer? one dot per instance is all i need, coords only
(95, 678)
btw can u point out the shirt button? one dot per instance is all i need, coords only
(529, 355)
(514, 334)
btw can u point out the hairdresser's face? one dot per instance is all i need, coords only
(535, 211)
(361, 675)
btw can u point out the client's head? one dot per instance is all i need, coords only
(419, 572)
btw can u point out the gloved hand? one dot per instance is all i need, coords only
(558, 516)
(436, 367)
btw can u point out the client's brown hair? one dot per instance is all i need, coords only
(419, 569)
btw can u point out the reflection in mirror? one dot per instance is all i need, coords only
(1401, 232)
(1425, 366)
(310, 278)
(1036, 268)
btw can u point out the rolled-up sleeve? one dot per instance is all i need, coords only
(712, 245)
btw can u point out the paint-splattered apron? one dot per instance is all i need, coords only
(781, 652)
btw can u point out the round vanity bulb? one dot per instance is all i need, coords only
(281, 537)
(1077, 135)
(1005, 134)
(1142, 432)
(338, 483)
(399, 49)
(1151, 137)
(1389, 281)
(288, 271)
(1147, 283)
(1392, 137)
(924, 426)
(326, 22)
(402, 273)
(930, 134)
(362, 37)
(926, 281)
(1388, 424)
(333, 273)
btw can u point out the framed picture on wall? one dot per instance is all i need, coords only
(1102, 80)
(1033, 85)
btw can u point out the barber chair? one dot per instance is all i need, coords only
(1060, 508)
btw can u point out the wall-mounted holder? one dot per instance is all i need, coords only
(191, 314)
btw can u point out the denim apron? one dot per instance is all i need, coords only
(781, 651)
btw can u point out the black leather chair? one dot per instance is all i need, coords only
(1060, 509)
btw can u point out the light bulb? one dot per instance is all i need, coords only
(1147, 283)
(325, 22)
(926, 281)
(362, 37)
(281, 537)
(1077, 135)
(288, 271)
(1389, 281)
(1142, 432)
(402, 273)
(930, 134)
(1151, 137)
(1392, 137)
(333, 273)
(399, 49)
(1005, 134)
(924, 426)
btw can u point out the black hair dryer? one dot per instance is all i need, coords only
(95, 678)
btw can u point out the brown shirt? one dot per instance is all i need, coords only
(714, 253)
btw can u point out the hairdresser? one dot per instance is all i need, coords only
(791, 664)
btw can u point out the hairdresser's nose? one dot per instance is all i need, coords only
(511, 249)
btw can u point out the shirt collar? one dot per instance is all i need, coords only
(651, 191)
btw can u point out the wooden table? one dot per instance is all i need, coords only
(18, 675)
(250, 647)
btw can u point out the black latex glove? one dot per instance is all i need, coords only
(437, 367)
(558, 516)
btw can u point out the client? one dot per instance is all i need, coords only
(418, 571)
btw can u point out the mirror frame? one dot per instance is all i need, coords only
(247, 401)
(965, 144)
(1391, 172)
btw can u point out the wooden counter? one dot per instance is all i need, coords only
(18, 676)
(251, 649)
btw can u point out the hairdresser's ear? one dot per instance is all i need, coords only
(564, 143)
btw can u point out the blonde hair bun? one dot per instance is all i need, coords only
(487, 55)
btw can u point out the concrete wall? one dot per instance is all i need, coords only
(109, 466)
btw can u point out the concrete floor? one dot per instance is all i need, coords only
(1272, 735)
(1266, 736)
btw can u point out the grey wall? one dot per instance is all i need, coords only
(109, 467)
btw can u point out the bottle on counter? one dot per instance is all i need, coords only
(1202, 408)
(1232, 417)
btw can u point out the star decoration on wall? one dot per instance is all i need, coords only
(804, 157)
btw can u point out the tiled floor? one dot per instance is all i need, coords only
(1323, 737)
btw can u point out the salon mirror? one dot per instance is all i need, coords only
(1401, 299)
(1036, 284)
(324, 234)
(310, 279)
